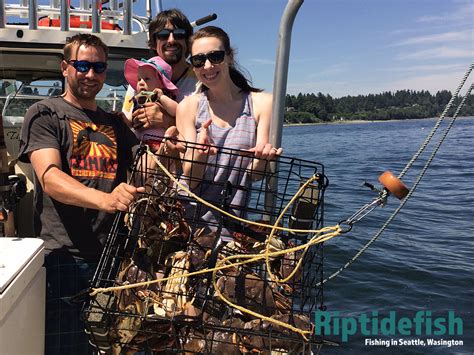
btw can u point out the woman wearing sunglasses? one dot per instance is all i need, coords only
(228, 112)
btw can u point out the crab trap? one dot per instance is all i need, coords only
(180, 273)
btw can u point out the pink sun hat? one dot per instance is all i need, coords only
(162, 68)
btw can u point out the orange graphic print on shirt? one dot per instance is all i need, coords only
(94, 150)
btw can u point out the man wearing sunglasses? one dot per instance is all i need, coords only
(80, 155)
(169, 36)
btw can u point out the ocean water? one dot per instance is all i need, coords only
(424, 260)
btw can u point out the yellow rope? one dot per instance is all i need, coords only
(204, 202)
(267, 242)
(323, 234)
(336, 230)
(311, 242)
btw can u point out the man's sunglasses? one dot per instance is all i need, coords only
(163, 35)
(83, 66)
(215, 57)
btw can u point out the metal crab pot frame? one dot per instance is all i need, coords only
(167, 233)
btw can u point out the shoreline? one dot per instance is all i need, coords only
(363, 121)
(342, 122)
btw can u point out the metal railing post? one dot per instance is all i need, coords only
(279, 90)
(3, 19)
(281, 70)
(127, 17)
(96, 4)
(64, 17)
(33, 14)
(148, 9)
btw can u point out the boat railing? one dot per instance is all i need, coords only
(87, 10)
(16, 103)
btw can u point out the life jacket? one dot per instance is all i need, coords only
(75, 22)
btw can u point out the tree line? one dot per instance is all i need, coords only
(311, 108)
(402, 104)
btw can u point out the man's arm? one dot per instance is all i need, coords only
(64, 188)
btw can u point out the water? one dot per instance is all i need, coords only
(424, 260)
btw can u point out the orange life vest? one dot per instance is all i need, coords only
(75, 22)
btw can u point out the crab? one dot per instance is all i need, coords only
(252, 292)
(283, 339)
(175, 294)
(200, 246)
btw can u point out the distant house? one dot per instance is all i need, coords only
(290, 109)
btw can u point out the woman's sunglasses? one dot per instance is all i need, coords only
(163, 35)
(215, 57)
(83, 66)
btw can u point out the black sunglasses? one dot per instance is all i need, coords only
(83, 66)
(163, 35)
(215, 57)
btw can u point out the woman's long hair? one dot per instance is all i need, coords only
(236, 75)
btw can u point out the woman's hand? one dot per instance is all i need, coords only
(266, 151)
(152, 115)
(203, 139)
(263, 153)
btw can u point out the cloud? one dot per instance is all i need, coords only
(261, 61)
(463, 13)
(459, 36)
(432, 83)
(426, 68)
(331, 87)
(333, 69)
(439, 52)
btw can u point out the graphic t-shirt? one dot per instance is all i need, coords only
(95, 149)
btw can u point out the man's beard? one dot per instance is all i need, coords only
(173, 58)
(88, 94)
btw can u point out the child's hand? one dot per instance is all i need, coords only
(158, 92)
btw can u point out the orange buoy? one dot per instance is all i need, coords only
(393, 184)
(75, 22)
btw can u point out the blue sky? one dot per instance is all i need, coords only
(350, 47)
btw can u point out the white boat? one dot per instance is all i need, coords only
(30, 57)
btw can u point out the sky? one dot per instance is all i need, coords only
(349, 47)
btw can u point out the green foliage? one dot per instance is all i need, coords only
(300, 117)
(402, 104)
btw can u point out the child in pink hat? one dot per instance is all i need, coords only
(154, 75)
